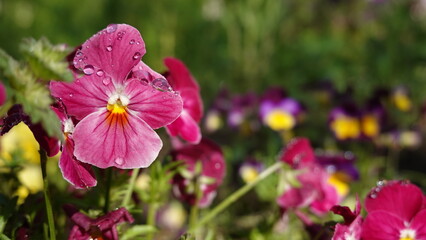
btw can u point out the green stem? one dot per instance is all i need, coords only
(193, 216)
(236, 195)
(49, 212)
(129, 191)
(152, 212)
(107, 189)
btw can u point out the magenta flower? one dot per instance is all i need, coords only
(103, 227)
(298, 153)
(79, 174)
(3, 94)
(315, 192)
(208, 158)
(351, 227)
(117, 110)
(181, 80)
(395, 211)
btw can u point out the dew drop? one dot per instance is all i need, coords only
(373, 195)
(217, 166)
(111, 28)
(119, 38)
(71, 94)
(109, 48)
(88, 70)
(137, 43)
(106, 81)
(79, 54)
(119, 161)
(100, 73)
(132, 42)
(137, 55)
(161, 84)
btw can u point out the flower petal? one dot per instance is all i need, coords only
(400, 198)
(192, 103)
(179, 75)
(85, 95)
(3, 94)
(381, 225)
(77, 173)
(122, 140)
(298, 153)
(114, 50)
(186, 128)
(418, 224)
(157, 108)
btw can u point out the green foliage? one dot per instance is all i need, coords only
(27, 81)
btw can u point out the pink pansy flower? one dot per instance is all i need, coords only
(395, 211)
(77, 173)
(351, 228)
(205, 166)
(104, 227)
(181, 80)
(117, 110)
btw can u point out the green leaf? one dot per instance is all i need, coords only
(137, 231)
(47, 61)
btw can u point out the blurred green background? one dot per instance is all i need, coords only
(250, 44)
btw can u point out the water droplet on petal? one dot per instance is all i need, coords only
(79, 54)
(88, 70)
(138, 42)
(106, 81)
(119, 38)
(99, 73)
(373, 195)
(132, 42)
(161, 84)
(109, 48)
(71, 95)
(217, 166)
(119, 161)
(111, 28)
(137, 55)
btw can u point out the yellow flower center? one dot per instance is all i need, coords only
(402, 102)
(370, 126)
(338, 182)
(116, 108)
(249, 174)
(346, 127)
(280, 120)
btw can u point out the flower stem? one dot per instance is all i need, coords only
(152, 212)
(107, 189)
(49, 211)
(236, 195)
(129, 191)
(193, 215)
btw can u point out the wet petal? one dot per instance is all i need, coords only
(186, 128)
(83, 96)
(121, 140)
(77, 173)
(155, 107)
(400, 198)
(114, 50)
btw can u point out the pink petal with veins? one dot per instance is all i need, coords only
(116, 140)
